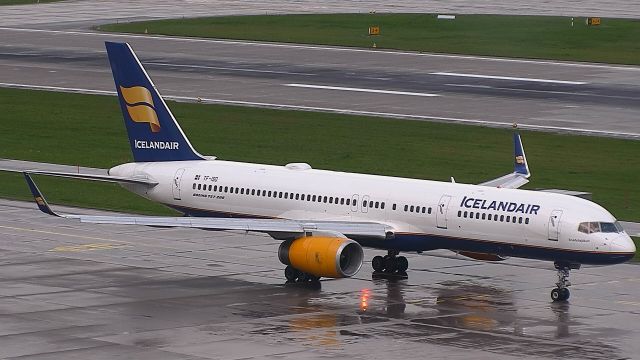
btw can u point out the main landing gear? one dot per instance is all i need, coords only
(390, 264)
(561, 292)
(294, 275)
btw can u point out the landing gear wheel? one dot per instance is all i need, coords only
(561, 292)
(377, 263)
(402, 264)
(389, 264)
(291, 273)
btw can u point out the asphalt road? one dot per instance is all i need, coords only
(79, 291)
(570, 97)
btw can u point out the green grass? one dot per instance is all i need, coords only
(87, 130)
(24, 2)
(615, 41)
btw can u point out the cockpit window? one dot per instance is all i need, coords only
(595, 227)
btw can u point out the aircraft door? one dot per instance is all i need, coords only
(177, 178)
(554, 225)
(354, 203)
(442, 210)
(365, 203)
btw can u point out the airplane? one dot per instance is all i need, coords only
(325, 218)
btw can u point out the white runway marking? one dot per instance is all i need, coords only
(229, 69)
(377, 91)
(628, 135)
(510, 78)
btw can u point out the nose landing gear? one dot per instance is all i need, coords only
(390, 264)
(561, 292)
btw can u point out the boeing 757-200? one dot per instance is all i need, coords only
(325, 218)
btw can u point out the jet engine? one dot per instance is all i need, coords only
(322, 256)
(482, 256)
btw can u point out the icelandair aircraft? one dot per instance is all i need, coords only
(325, 217)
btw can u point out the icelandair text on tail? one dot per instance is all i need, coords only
(158, 145)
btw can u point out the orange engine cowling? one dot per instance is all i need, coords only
(482, 256)
(322, 256)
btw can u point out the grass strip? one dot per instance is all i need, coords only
(88, 130)
(541, 37)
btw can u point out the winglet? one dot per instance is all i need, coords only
(520, 165)
(38, 197)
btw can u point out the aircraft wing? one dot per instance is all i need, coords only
(520, 174)
(92, 177)
(271, 226)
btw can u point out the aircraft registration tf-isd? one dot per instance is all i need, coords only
(325, 217)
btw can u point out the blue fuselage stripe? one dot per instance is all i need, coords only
(426, 242)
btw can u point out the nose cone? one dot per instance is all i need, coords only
(624, 246)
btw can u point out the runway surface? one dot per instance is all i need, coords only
(71, 290)
(570, 97)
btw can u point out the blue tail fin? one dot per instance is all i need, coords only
(154, 134)
(520, 165)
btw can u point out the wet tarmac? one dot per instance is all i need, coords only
(78, 291)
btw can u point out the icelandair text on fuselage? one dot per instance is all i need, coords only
(158, 145)
(482, 204)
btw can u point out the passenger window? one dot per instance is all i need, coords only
(520, 220)
(429, 211)
(424, 209)
(465, 215)
(382, 205)
(370, 204)
(298, 196)
(470, 214)
(502, 218)
(526, 220)
(215, 187)
(459, 213)
(194, 186)
(349, 201)
(330, 199)
(253, 191)
(411, 208)
(341, 201)
(377, 204)
(508, 218)
(286, 195)
(324, 200)
(364, 203)
(513, 219)
(393, 207)
(484, 216)
(199, 186)
(264, 192)
(237, 190)
(489, 217)
(210, 187)
(477, 216)
(242, 191)
(406, 207)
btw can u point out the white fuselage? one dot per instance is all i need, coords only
(424, 215)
